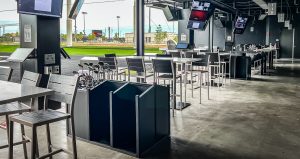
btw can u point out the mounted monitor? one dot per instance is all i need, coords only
(200, 15)
(50, 8)
(172, 14)
(240, 24)
(76, 9)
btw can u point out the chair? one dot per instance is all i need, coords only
(175, 54)
(215, 67)
(65, 88)
(5, 73)
(137, 65)
(112, 64)
(110, 55)
(163, 55)
(190, 54)
(226, 61)
(164, 70)
(201, 67)
(30, 79)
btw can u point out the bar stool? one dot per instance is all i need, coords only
(217, 67)
(165, 70)
(30, 79)
(114, 71)
(137, 65)
(110, 55)
(65, 88)
(201, 67)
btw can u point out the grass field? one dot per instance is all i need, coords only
(91, 50)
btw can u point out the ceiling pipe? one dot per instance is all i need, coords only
(223, 6)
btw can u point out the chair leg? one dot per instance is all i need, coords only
(24, 143)
(180, 93)
(192, 83)
(11, 140)
(73, 138)
(208, 85)
(200, 86)
(34, 143)
(7, 127)
(49, 139)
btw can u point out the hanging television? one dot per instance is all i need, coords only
(240, 24)
(76, 9)
(200, 15)
(50, 8)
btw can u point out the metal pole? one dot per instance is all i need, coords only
(118, 18)
(84, 13)
(75, 30)
(140, 23)
(149, 31)
(69, 24)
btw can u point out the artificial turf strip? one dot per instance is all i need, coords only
(90, 50)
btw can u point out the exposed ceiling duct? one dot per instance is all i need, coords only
(261, 3)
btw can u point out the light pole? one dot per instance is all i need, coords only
(118, 19)
(84, 13)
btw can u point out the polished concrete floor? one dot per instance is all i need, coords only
(253, 119)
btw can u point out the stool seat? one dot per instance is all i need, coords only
(40, 117)
(13, 108)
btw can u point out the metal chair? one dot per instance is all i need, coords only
(216, 68)
(65, 88)
(30, 79)
(114, 71)
(110, 55)
(165, 70)
(137, 65)
(5, 73)
(201, 67)
(163, 55)
(175, 54)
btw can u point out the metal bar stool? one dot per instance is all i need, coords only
(137, 65)
(112, 65)
(30, 79)
(165, 70)
(65, 88)
(201, 67)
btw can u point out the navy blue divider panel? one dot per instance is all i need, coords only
(146, 114)
(162, 111)
(124, 116)
(99, 111)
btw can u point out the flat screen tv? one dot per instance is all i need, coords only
(240, 24)
(76, 9)
(200, 14)
(51, 8)
(172, 14)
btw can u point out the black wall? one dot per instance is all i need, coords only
(258, 36)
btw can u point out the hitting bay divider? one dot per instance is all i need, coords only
(132, 118)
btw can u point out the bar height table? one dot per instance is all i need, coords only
(13, 92)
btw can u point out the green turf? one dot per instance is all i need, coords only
(90, 50)
(98, 51)
(8, 48)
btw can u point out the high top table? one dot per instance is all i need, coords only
(13, 92)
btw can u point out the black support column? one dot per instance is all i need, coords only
(139, 26)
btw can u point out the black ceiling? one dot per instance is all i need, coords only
(243, 6)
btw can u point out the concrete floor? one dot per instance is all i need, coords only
(258, 118)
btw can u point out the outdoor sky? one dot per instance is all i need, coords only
(100, 16)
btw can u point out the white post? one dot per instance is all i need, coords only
(69, 24)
